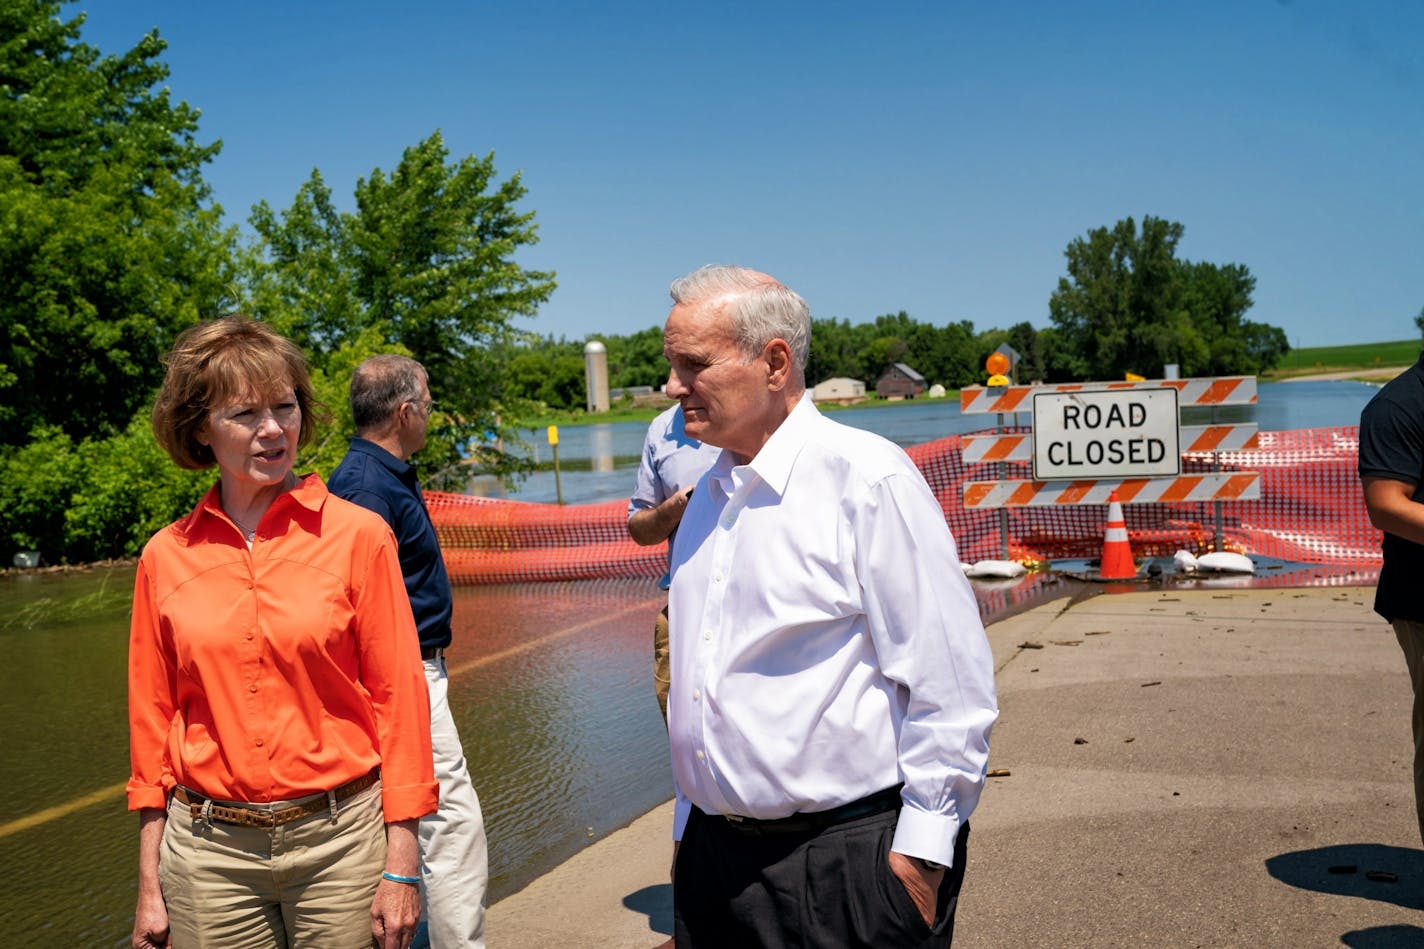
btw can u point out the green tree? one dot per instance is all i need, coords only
(1266, 345)
(637, 359)
(111, 245)
(833, 352)
(1129, 305)
(549, 376)
(426, 263)
(92, 499)
(956, 361)
(1120, 292)
(1026, 341)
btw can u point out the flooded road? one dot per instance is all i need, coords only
(550, 686)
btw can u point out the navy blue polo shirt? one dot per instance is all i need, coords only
(1392, 446)
(374, 478)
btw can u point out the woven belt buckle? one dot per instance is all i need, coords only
(242, 816)
(288, 814)
(263, 819)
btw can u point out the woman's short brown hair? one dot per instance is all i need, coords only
(218, 362)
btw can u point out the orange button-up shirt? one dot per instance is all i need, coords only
(277, 672)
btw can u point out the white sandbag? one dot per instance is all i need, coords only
(994, 568)
(1184, 561)
(1224, 561)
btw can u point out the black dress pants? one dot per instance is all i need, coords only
(817, 890)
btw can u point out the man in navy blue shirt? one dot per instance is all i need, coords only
(391, 406)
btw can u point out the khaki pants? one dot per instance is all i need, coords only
(307, 885)
(1411, 639)
(662, 673)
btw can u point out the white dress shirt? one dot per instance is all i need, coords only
(825, 643)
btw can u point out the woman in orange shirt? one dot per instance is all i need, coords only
(279, 725)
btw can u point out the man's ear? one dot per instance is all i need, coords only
(778, 362)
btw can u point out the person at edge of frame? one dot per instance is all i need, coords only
(1391, 469)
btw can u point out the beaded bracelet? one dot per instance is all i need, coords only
(397, 878)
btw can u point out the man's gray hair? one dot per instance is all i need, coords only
(761, 308)
(379, 386)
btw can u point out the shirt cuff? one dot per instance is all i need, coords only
(681, 811)
(409, 802)
(927, 836)
(143, 797)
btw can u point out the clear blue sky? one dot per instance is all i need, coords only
(932, 157)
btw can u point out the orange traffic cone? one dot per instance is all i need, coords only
(1117, 552)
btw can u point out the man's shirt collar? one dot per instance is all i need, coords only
(772, 465)
(372, 450)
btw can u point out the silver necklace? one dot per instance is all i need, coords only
(251, 532)
(247, 532)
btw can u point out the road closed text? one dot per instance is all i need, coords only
(1105, 434)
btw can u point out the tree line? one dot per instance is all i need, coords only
(1127, 304)
(111, 244)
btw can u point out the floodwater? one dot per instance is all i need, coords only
(550, 687)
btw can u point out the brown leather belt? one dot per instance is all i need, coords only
(260, 815)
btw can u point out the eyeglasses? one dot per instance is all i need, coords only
(426, 407)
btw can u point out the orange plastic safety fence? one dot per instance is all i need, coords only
(1310, 511)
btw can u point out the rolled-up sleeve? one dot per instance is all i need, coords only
(152, 698)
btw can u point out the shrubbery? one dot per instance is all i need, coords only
(93, 500)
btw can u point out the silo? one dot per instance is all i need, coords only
(595, 370)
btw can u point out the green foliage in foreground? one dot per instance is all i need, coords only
(94, 499)
(109, 244)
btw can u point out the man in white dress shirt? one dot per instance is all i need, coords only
(832, 686)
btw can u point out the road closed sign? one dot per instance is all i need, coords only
(1122, 433)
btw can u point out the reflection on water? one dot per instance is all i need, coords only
(550, 685)
(600, 448)
(63, 727)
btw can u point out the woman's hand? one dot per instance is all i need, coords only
(396, 909)
(151, 923)
(394, 914)
(151, 918)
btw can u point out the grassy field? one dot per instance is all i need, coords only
(1313, 359)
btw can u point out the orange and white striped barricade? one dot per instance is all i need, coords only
(1222, 390)
(1093, 484)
